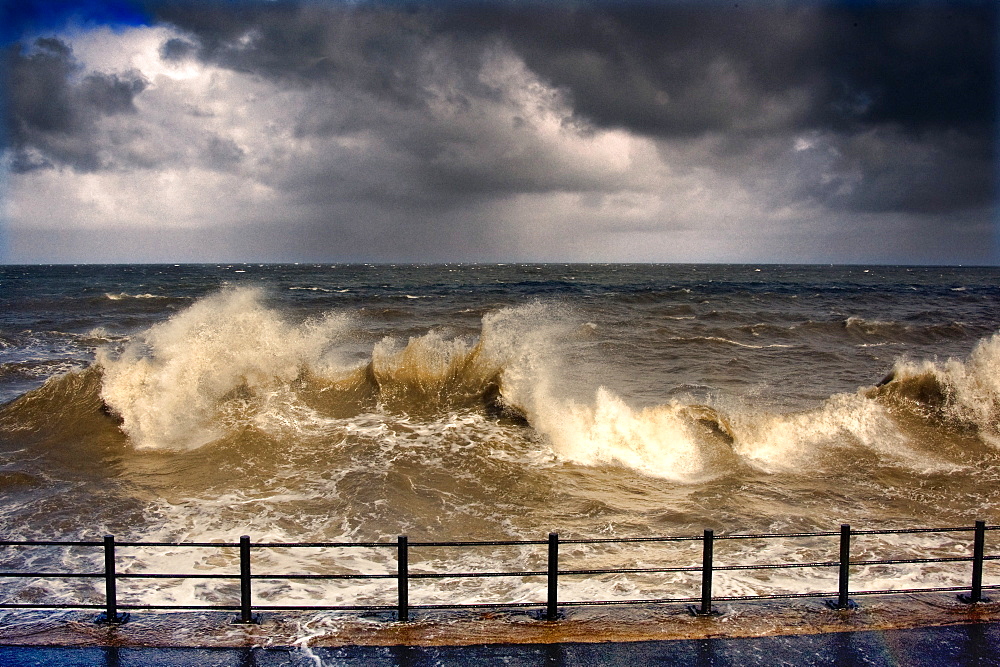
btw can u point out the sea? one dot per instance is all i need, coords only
(493, 402)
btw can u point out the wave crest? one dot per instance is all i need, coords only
(955, 394)
(215, 367)
(674, 441)
(170, 387)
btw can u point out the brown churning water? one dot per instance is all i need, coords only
(319, 403)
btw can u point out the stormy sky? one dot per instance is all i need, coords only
(316, 130)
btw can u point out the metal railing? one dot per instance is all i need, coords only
(702, 605)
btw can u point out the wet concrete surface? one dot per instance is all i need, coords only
(975, 644)
(894, 630)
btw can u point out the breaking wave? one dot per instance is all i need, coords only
(187, 382)
(229, 361)
(956, 395)
(230, 366)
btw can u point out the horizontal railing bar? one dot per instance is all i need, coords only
(51, 575)
(36, 543)
(321, 545)
(900, 561)
(226, 545)
(323, 576)
(767, 536)
(696, 538)
(886, 531)
(894, 591)
(610, 540)
(597, 603)
(448, 575)
(774, 596)
(412, 575)
(697, 568)
(54, 605)
(913, 561)
(759, 536)
(630, 540)
(47, 543)
(776, 566)
(663, 570)
(904, 531)
(156, 575)
(481, 605)
(91, 575)
(301, 607)
(175, 607)
(635, 570)
(488, 543)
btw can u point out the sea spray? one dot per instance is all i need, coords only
(954, 394)
(228, 359)
(169, 386)
(679, 442)
(810, 440)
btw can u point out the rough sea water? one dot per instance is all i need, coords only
(493, 402)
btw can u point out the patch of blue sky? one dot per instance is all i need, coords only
(20, 19)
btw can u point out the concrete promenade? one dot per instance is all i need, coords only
(903, 630)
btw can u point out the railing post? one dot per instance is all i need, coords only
(707, 548)
(403, 579)
(978, 555)
(845, 566)
(246, 617)
(552, 605)
(843, 578)
(110, 615)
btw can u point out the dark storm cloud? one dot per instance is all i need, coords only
(375, 49)
(947, 171)
(52, 109)
(177, 50)
(687, 69)
(909, 91)
(660, 68)
(905, 92)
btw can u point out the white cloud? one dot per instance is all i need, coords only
(214, 147)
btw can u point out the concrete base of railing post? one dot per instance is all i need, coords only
(697, 611)
(968, 598)
(121, 617)
(838, 606)
(240, 620)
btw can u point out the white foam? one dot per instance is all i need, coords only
(658, 441)
(972, 387)
(123, 295)
(169, 385)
